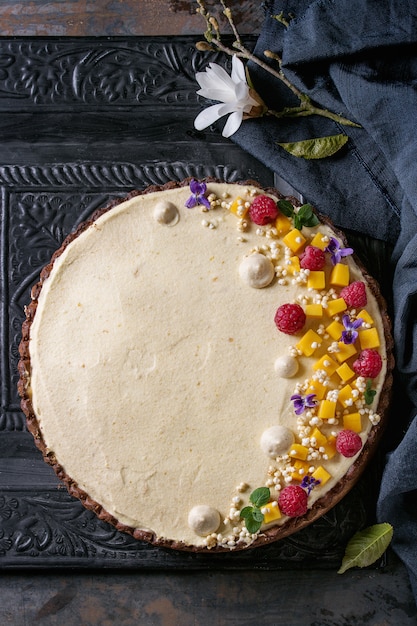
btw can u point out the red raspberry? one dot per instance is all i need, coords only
(348, 443)
(368, 364)
(355, 294)
(290, 318)
(263, 210)
(292, 501)
(312, 259)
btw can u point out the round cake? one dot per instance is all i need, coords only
(206, 365)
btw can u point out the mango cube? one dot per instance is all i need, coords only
(338, 305)
(353, 421)
(238, 207)
(316, 387)
(339, 276)
(283, 224)
(327, 409)
(330, 447)
(327, 364)
(293, 265)
(314, 310)
(300, 470)
(365, 316)
(346, 350)
(271, 512)
(335, 330)
(321, 474)
(298, 451)
(309, 342)
(345, 372)
(321, 439)
(316, 280)
(369, 338)
(294, 240)
(320, 241)
(345, 396)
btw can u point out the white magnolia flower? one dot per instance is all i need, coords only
(235, 97)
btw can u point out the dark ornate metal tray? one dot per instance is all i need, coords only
(83, 121)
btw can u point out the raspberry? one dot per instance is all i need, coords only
(368, 364)
(293, 501)
(263, 210)
(290, 318)
(312, 259)
(348, 443)
(354, 294)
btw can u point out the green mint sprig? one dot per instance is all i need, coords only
(253, 515)
(305, 215)
(369, 393)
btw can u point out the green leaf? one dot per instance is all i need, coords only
(260, 496)
(257, 514)
(369, 393)
(367, 546)
(318, 148)
(305, 217)
(246, 512)
(252, 525)
(286, 207)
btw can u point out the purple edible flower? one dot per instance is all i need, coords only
(197, 197)
(308, 483)
(337, 253)
(350, 334)
(303, 402)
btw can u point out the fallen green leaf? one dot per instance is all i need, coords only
(367, 546)
(318, 148)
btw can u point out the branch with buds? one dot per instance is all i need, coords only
(311, 148)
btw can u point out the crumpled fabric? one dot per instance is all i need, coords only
(357, 58)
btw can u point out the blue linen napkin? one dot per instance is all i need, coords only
(357, 58)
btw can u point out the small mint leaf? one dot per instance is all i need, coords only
(260, 496)
(252, 525)
(367, 546)
(257, 515)
(246, 512)
(286, 208)
(369, 393)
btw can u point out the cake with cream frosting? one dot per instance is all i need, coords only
(206, 365)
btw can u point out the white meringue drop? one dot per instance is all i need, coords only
(276, 440)
(203, 519)
(257, 270)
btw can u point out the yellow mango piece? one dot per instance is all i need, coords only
(283, 224)
(309, 342)
(313, 310)
(335, 330)
(346, 350)
(369, 338)
(301, 469)
(293, 265)
(336, 306)
(345, 396)
(294, 240)
(365, 316)
(353, 421)
(339, 276)
(345, 372)
(271, 512)
(238, 207)
(327, 364)
(330, 447)
(321, 439)
(322, 475)
(327, 409)
(320, 241)
(314, 386)
(298, 451)
(316, 280)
